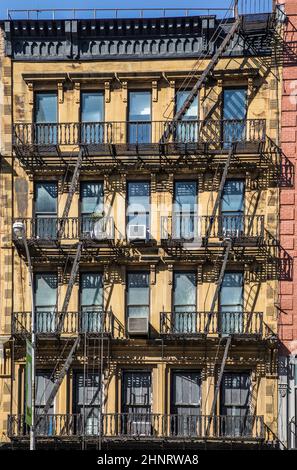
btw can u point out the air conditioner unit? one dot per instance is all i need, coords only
(137, 326)
(100, 230)
(229, 233)
(137, 232)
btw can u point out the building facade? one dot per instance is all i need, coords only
(142, 168)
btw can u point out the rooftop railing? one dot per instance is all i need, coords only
(220, 10)
(143, 426)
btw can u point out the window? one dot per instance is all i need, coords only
(185, 403)
(46, 118)
(46, 196)
(185, 210)
(138, 293)
(232, 208)
(184, 302)
(231, 303)
(92, 117)
(234, 115)
(45, 291)
(91, 302)
(87, 399)
(187, 130)
(44, 384)
(139, 117)
(138, 210)
(235, 397)
(92, 208)
(136, 403)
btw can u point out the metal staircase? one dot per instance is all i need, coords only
(220, 191)
(218, 384)
(72, 189)
(60, 378)
(228, 246)
(74, 271)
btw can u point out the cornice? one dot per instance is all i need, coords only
(117, 39)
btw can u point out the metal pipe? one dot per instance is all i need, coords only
(33, 344)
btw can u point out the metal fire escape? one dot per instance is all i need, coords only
(73, 274)
(236, 28)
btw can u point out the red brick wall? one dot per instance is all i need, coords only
(288, 196)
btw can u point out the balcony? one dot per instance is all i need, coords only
(43, 144)
(45, 229)
(189, 228)
(191, 325)
(142, 427)
(91, 320)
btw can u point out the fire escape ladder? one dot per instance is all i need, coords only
(215, 58)
(218, 284)
(73, 275)
(72, 189)
(219, 194)
(60, 377)
(75, 345)
(218, 384)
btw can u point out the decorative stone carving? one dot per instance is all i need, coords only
(107, 91)
(77, 92)
(155, 91)
(125, 92)
(31, 94)
(60, 93)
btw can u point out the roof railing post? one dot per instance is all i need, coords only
(235, 8)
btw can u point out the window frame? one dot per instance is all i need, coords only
(86, 91)
(149, 122)
(44, 92)
(138, 271)
(147, 214)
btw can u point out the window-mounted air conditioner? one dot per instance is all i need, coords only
(137, 232)
(138, 326)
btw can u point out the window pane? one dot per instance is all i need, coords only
(186, 388)
(44, 385)
(92, 197)
(184, 290)
(88, 389)
(92, 107)
(236, 390)
(192, 112)
(45, 107)
(139, 195)
(232, 291)
(139, 106)
(138, 289)
(234, 103)
(137, 388)
(46, 195)
(233, 196)
(185, 195)
(45, 287)
(91, 289)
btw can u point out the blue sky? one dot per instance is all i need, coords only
(35, 4)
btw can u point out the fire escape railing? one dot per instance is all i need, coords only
(143, 426)
(209, 131)
(192, 324)
(89, 319)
